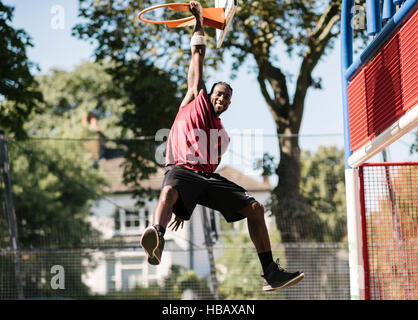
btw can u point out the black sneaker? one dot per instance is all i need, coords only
(276, 277)
(153, 243)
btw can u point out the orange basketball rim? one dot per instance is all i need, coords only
(212, 17)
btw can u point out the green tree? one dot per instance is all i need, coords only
(323, 190)
(123, 103)
(189, 280)
(323, 195)
(70, 96)
(19, 95)
(122, 96)
(53, 190)
(180, 279)
(151, 99)
(54, 182)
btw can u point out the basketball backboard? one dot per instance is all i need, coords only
(230, 7)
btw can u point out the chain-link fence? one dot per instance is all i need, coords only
(390, 218)
(79, 227)
(100, 273)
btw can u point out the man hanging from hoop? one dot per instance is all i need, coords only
(195, 145)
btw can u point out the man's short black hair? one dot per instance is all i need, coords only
(220, 82)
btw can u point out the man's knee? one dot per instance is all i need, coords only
(258, 209)
(254, 211)
(169, 195)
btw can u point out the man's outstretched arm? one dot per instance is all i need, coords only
(198, 49)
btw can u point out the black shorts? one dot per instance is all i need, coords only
(207, 189)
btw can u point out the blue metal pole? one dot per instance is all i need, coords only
(346, 61)
(374, 23)
(351, 179)
(389, 9)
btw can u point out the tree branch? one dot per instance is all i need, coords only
(277, 81)
(266, 95)
(317, 44)
(330, 12)
(279, 105)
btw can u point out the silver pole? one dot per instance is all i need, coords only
(11, 216)
(209, 247)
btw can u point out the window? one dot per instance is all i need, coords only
(126, 271)
(131, 220)
(152, 270)
(128, 221)
(146, 214)
(133, 261)
(116, 217)
(110, 270)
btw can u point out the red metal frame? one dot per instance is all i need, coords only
(366, 265)
(380, 164)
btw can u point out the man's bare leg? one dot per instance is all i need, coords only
(163, 211)
(274, 276)
(152, 240)
(257, 226)
(257, 229)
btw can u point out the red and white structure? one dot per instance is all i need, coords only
(380, 100)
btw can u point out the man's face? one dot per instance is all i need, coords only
(220, 98)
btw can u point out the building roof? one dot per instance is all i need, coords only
(113, 171)
(243, 180)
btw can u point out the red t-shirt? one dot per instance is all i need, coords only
(197, 137)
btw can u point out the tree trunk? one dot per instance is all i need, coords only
(292, 216)
(288, 205)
